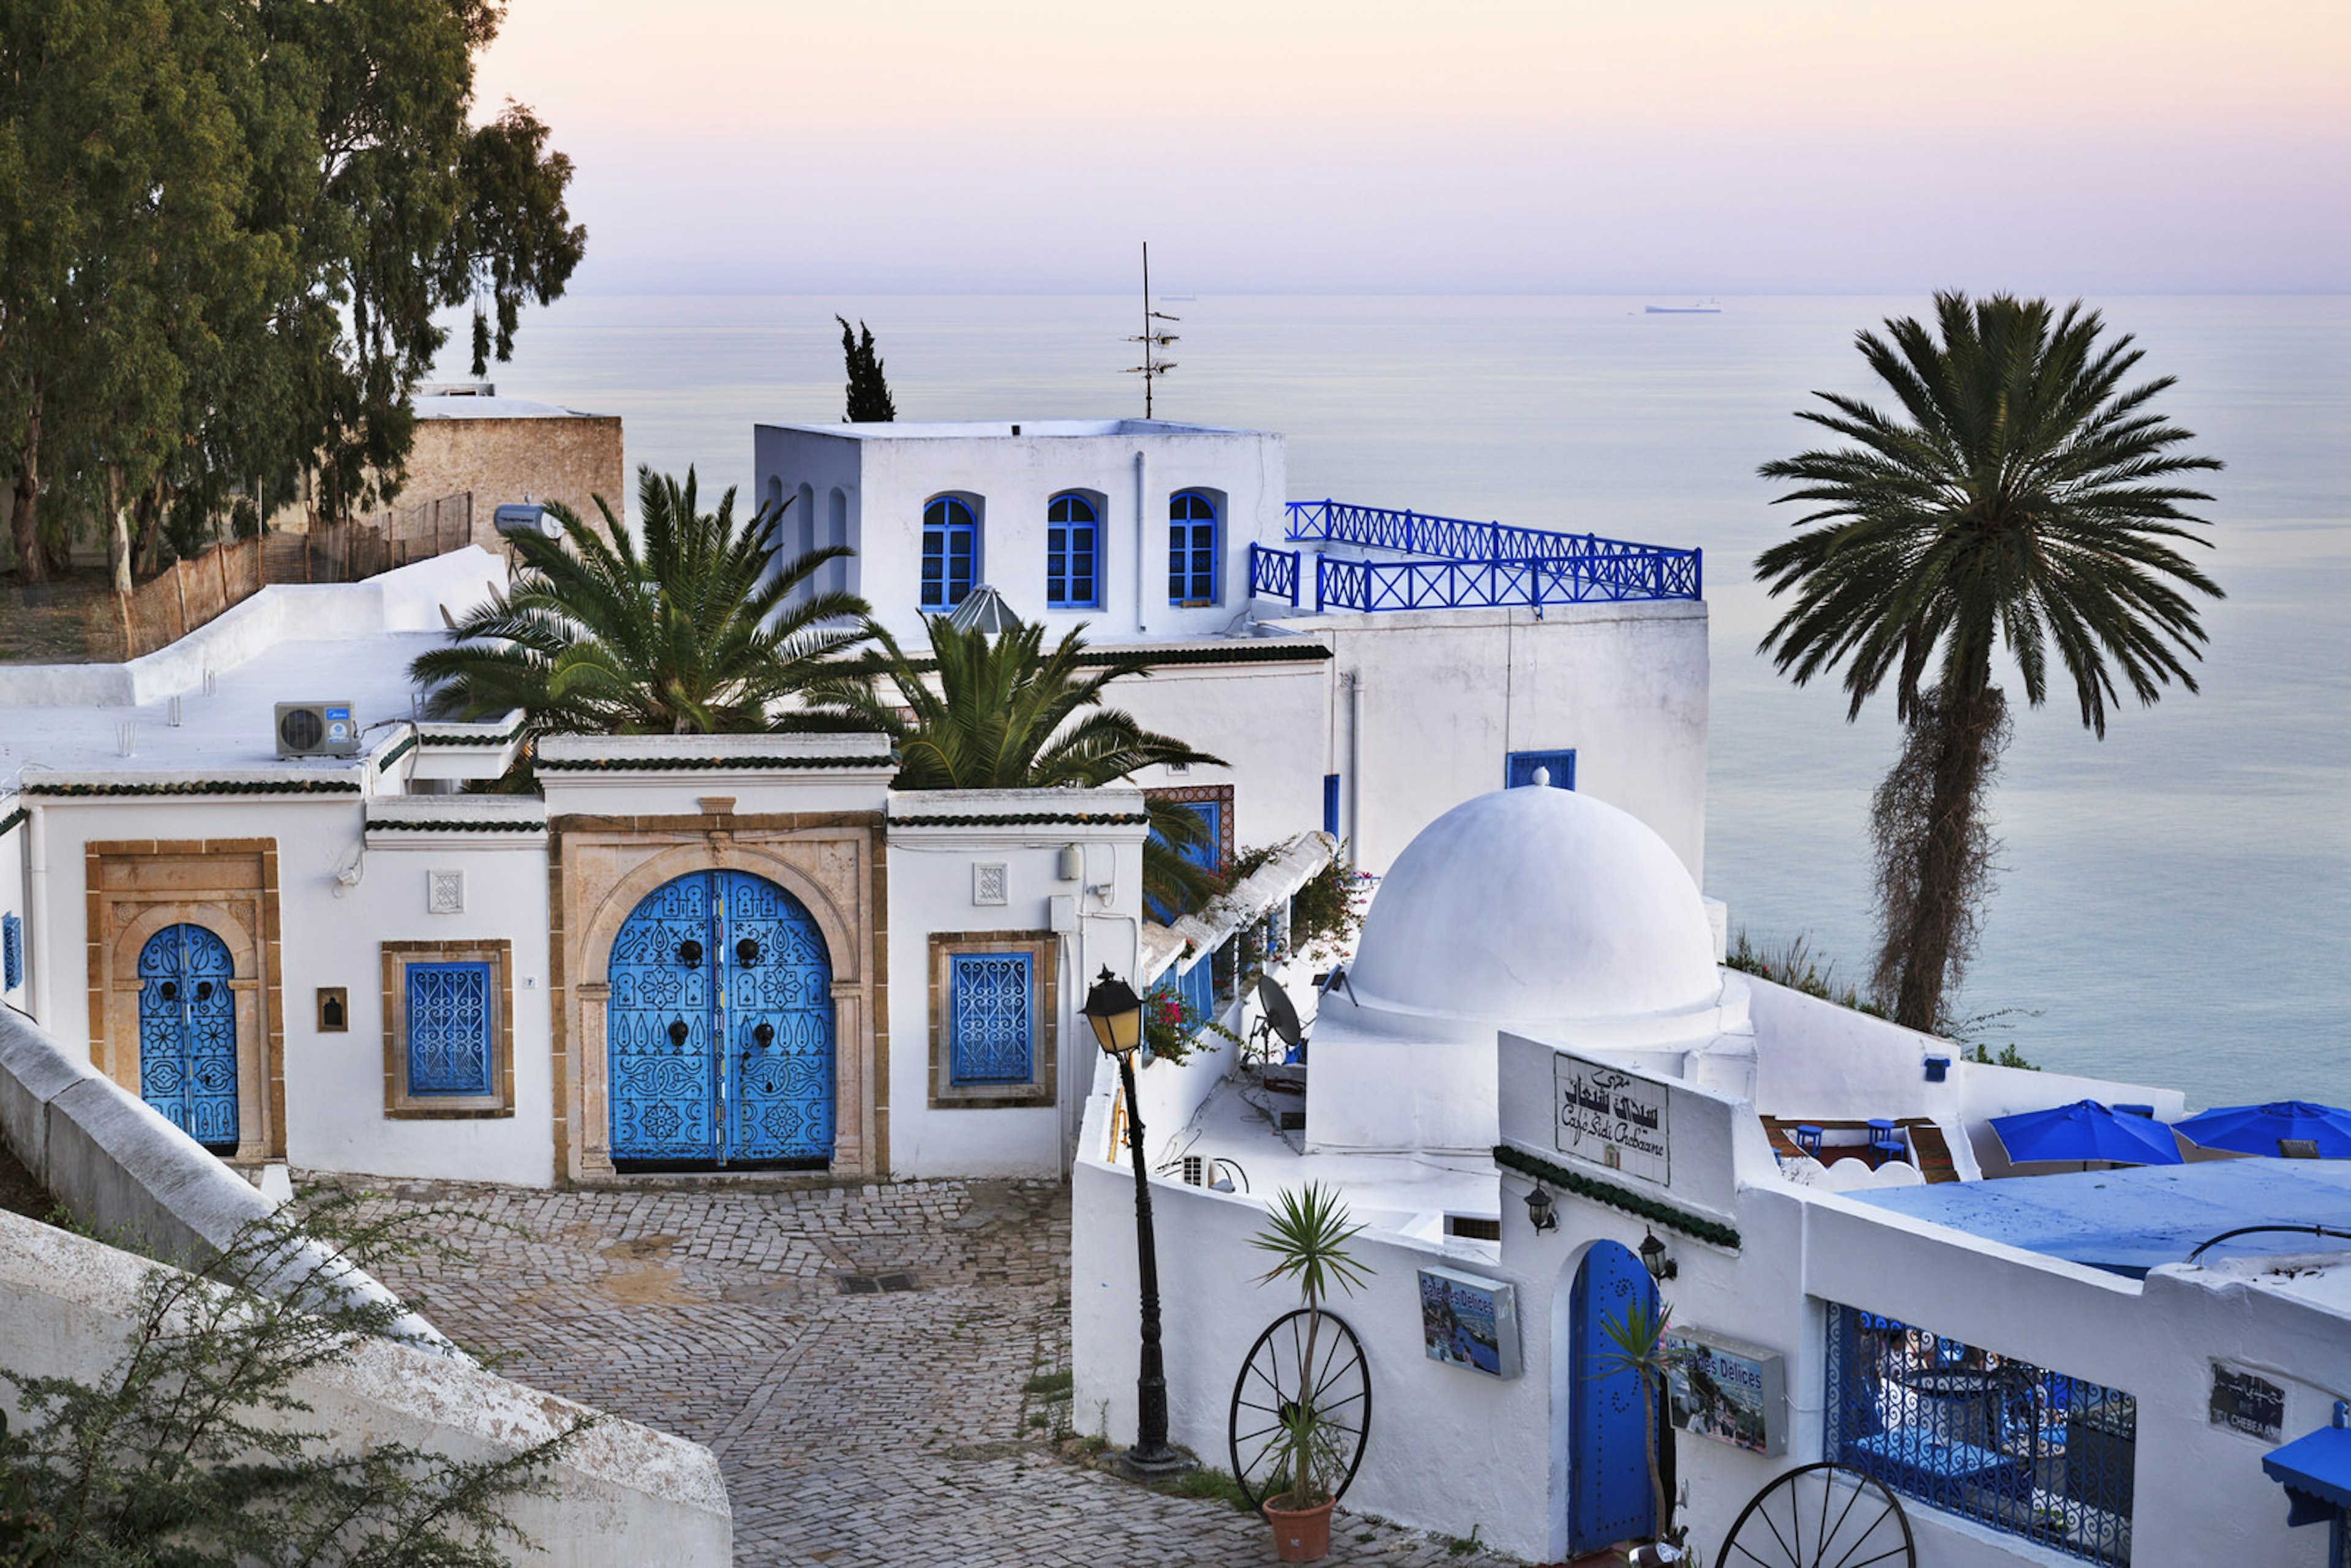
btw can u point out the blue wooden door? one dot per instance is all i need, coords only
(718, 1029)
(187, 1033)
(1609, 1499)
(776, 1000)
(1557, 767)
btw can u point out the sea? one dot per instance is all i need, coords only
(2173, 905)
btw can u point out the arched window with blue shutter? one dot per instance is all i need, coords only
(950, 552)
(1192, 549)
(1073, 554)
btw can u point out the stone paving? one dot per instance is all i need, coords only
(891, 1425)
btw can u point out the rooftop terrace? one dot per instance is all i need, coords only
(2129, 1221)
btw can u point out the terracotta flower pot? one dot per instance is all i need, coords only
(1300, 1535)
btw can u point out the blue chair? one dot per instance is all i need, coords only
(1885, 1142)
(1808, 1139)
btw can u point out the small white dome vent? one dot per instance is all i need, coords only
(1532, 905)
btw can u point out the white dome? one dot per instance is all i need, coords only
(1536, 904)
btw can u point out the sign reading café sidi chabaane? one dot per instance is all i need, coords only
(1611, 1118)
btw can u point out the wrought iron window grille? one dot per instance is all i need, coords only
(2013, 1446)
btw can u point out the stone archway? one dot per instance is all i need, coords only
(229, 889)
(605, 868)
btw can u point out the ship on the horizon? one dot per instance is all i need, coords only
(1703, 308)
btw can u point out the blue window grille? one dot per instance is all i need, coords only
(1520, 766)
(1331, 803)
(450, 1019)
(1191, 549)
(1073, 554)
(12, 952)
(1992, 1438)
(991, 1023)
(950, 553)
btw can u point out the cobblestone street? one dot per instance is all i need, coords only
(861, 1424)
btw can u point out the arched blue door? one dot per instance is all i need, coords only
(187, 1033)
(718, 1030)
(1608, 1492)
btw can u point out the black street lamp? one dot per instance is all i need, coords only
(1116, 1014)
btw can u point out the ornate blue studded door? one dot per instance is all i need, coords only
(187, 1033)
(1609, 1499)
(718, 1028)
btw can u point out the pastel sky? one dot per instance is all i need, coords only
(1705, 146)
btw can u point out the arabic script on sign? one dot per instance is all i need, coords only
(1611, 1118)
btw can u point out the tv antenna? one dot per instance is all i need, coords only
(1152, 338)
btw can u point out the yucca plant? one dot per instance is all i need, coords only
(1000, 711)
(1307, 1232)
(2024, 500)
(691, 632)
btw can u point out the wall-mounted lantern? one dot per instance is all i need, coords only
(1542, 1213)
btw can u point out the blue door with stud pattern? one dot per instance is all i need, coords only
(718, 1028)
(1609, 1497)
(187, 1033)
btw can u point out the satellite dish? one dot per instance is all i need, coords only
(1278, 1013)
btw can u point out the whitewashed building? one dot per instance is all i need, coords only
(688, 955)
(1546, 1102)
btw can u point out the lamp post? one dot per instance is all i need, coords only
(1116, 1014)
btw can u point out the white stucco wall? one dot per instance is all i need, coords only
(1447, 695)
(931, 871)
(334, 1082)
(1448, 1449)
(1269, 721)
(889, 473)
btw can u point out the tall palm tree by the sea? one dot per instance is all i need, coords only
(689, 632)
(2024, 502)
(998, 711)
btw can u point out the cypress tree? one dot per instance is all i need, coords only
(869, 393)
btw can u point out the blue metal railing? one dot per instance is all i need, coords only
(1273, 573)
(1480, 564)
(1373, 585)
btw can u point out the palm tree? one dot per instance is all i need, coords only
(2028, 502)
(686, 634)
(1006, 714)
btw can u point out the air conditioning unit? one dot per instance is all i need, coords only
(317, 729)
(527, 518)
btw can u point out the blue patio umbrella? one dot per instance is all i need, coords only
(2086, 1130)
(2257, 1129)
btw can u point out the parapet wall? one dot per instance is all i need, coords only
(121, 1168)
(624, 1495)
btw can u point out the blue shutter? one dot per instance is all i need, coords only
(991, 1025)
(449, 1023)
(12, 952)
(1073, 581)
(1520, 768)
(1198, 987)
(950, 553)
(1192, 549)
(1331, 804)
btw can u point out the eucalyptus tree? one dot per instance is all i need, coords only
(1001, 711)
(225, 233)
(695, 632)
(2023, 502)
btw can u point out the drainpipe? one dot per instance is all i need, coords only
(1142, 512)
(1355, 760)
(36, 910)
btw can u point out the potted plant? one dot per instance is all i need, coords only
(1308, 1234)
(1641, 1343)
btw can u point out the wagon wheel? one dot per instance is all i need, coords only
(1821, 1516)
(1268, 1392)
